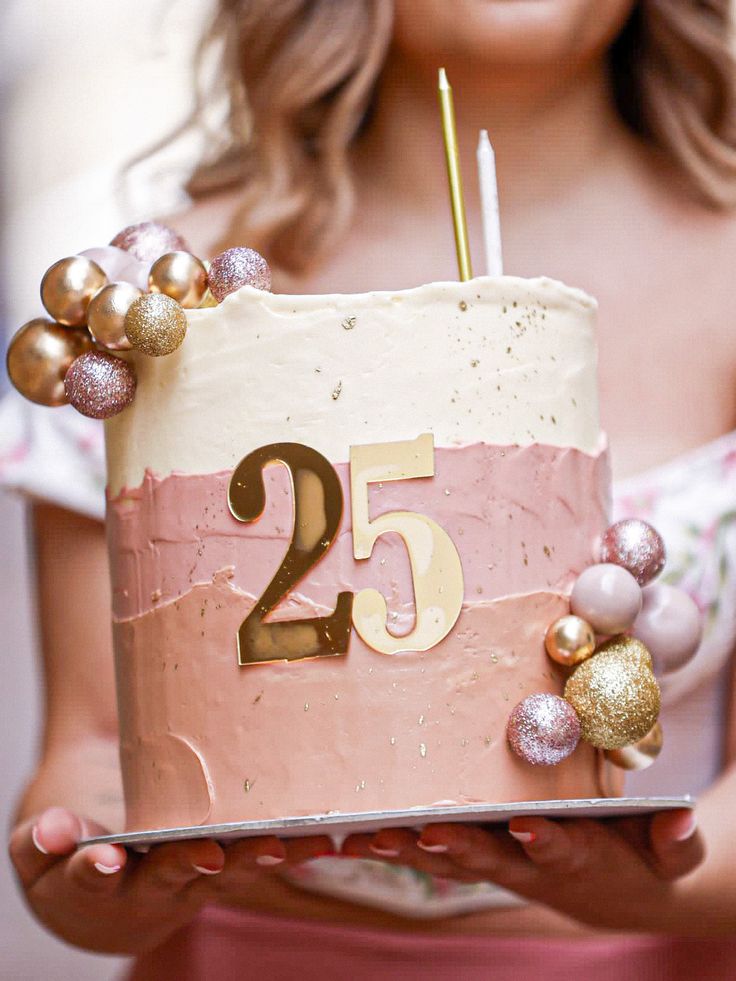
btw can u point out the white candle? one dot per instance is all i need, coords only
(489, 205)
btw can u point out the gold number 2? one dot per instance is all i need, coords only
(435, 564)
(317, 508)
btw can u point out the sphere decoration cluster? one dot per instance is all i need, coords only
(130, 295)
(623, 629)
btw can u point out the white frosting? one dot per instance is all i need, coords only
(336, 370)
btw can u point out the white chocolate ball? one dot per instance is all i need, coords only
(608, 597)
(670, 625)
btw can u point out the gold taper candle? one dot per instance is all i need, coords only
(453, 175)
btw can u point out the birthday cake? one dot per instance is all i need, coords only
(440, 448)
(359, 544)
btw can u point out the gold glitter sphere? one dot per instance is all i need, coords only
(181, 276)
(39, 357)
(155, 324)
(615, 693)
(67, 288)
(106, 314)
(641, 754)
(570, 640)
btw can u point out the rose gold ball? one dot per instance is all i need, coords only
(208, 299)
(570, 640)
(147, 240)
(39, 357)
(636, 546)
(106, 315)
(180, 275)
(641, 754)
(234, 268)
(155, 324)
(543, 729)
(99, 385)
(67, 288)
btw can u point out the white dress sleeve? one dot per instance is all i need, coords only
(54, 455)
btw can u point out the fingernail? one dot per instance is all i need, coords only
(107, 869)
(384, 852)
(208, 869)
(688, 828)
(525, 837)
(269, 859)
(435, 849)
(36, 842)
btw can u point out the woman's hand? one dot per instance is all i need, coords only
(618, 874)
(109, 900)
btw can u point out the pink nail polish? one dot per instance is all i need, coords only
(688, 828)
(36, 842)
(384, 852)
(107, 869)
(525, 837)
(434, 849)
(207, 869)
(269, 860)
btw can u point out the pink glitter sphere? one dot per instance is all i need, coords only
(636, 546)
(148, 240)
(99, 385)
(543, 729)
(235, 268)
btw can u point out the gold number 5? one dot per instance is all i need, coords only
(435, 564)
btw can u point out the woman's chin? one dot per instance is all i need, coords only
(509, 31)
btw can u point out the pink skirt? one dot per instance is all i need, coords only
(228, 945)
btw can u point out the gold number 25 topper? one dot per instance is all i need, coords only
(317, 498)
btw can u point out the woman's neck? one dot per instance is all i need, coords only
(549, 128)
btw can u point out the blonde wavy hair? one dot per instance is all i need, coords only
(298, 78)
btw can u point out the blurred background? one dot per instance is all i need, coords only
(84, 86)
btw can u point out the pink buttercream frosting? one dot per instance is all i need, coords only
(365, 731)
(206, 741)
(522, 519)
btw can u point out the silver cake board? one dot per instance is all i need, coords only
(341, 825)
